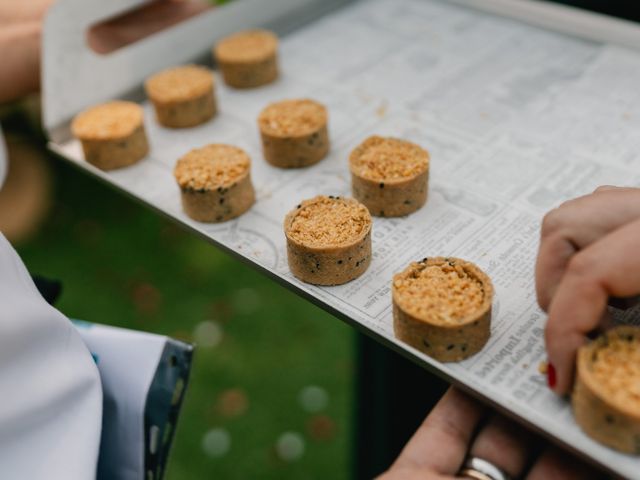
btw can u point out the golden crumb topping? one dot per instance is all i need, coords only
(324, 222)
(178, 84)
(614, 361)
(211, 167)
(292, 118)
(444, 291)
(388, 159)
(108, 121)
(246, 47)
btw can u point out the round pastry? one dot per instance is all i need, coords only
(182, 96)
(294, 133)
(248, 59)
(390, 176)
(112, 134)
(442, 307)
(328, 240)
(215, 182)
(606, 396)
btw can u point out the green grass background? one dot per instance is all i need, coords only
(122, 264)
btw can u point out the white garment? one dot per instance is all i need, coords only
(50, 393)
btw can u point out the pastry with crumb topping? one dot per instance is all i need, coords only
(182, 96)
(390, 176)
(442, 307)
(248, 59)
(328, 240)
(294, 133)
(215, 183)
(606, 396)
(112, 134)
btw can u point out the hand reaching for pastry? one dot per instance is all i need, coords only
(21, 28)
(588, 255)
(459, 427)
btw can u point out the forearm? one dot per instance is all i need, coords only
(20, 60)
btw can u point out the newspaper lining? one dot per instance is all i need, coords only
(517, 119)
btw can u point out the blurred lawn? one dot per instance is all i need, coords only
(124, 265)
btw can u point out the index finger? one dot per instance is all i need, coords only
(442, 441)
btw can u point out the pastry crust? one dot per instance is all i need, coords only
(442, 307)
(328, 240)
(112, 134)
(182, 96)
(389, 175)
(294, 133)
(606, 395)
(248, 59)
(215, 183)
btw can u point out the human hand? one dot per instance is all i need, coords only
(459, 426)
(21, 28)
(588, 254)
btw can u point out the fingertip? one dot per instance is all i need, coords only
(564, 383)
(556, 381)
(551, 376)
(542, 297)
(560, 375)
(552, 379)
(561, 350)
(541, 283)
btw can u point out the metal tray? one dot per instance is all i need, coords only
(507, 110)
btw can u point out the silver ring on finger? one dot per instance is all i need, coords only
(480, 469)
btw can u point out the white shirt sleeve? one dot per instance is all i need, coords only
(51, 399)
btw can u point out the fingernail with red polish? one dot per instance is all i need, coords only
(551, 375)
